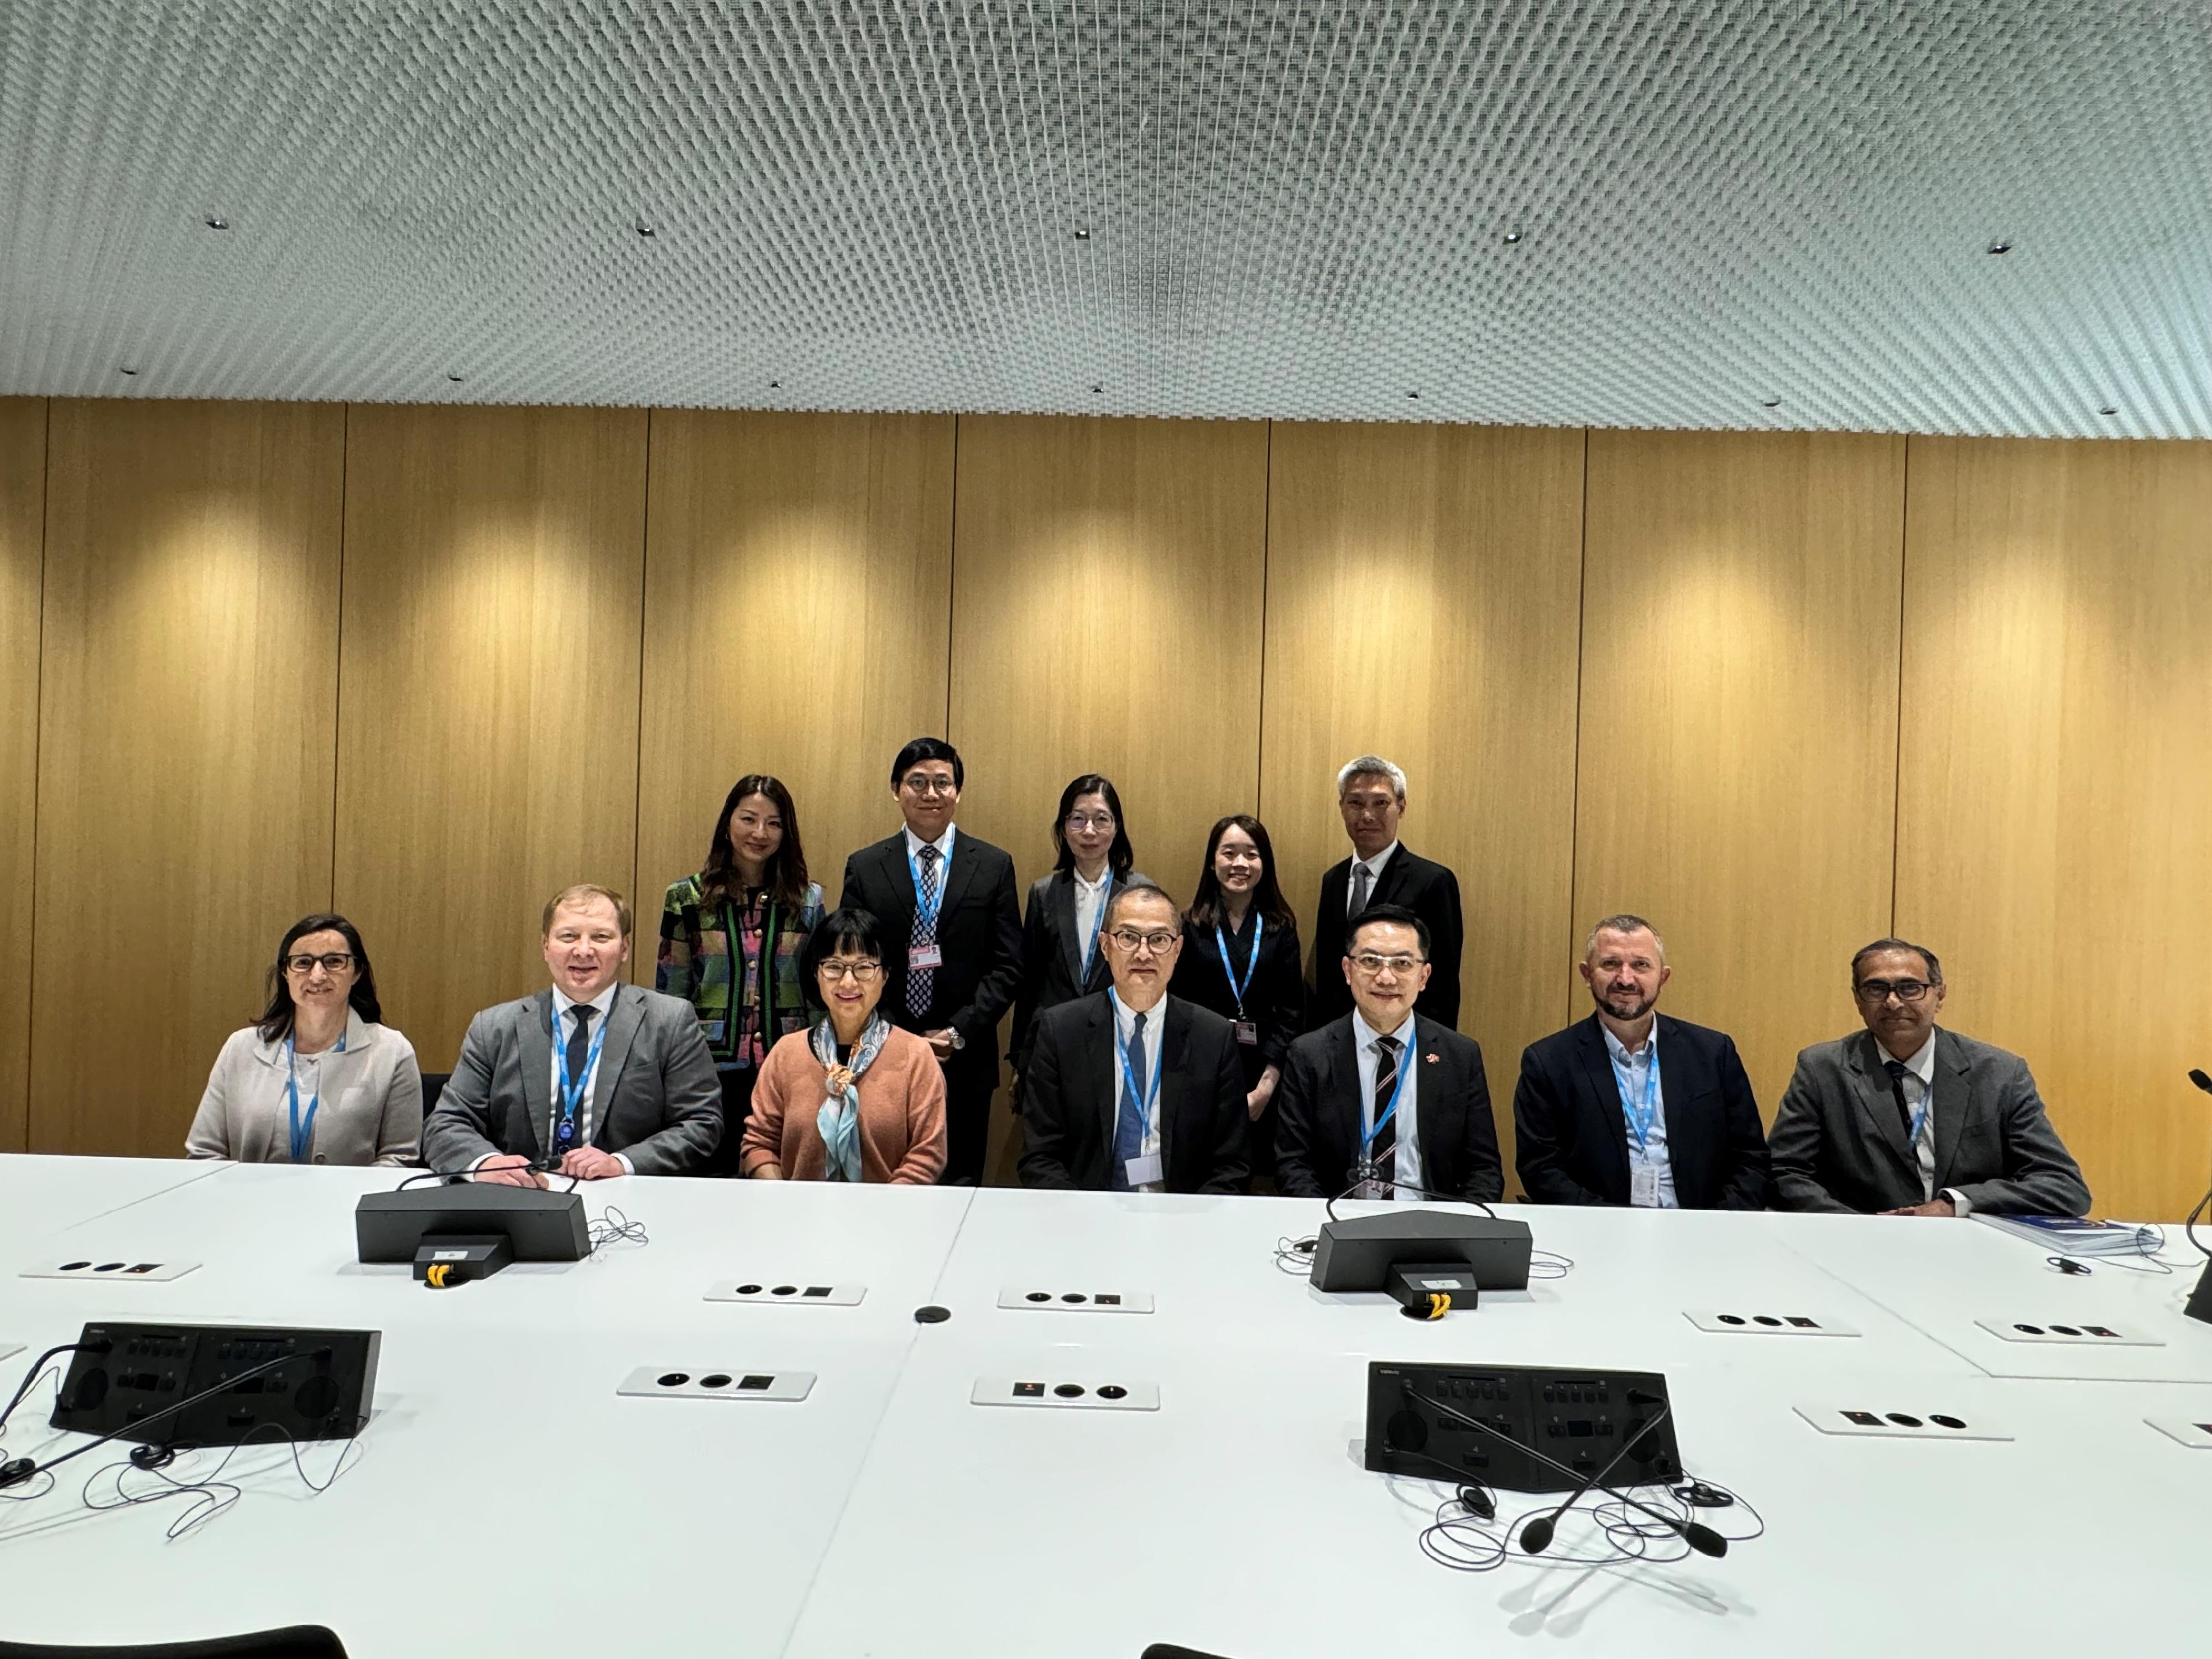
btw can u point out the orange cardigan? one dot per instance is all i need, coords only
(902, 1113)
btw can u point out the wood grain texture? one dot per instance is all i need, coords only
(23, 556)
(488, 731)
(186, 733)
(1107, 597)
(798, 573)
(2055, 825)
(1423, 588)
(1738, 748)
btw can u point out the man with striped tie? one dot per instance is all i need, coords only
(1386, 1103)
(951, 937)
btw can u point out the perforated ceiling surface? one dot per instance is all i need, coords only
(1157, 207)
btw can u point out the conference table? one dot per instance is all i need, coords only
(504, 1496)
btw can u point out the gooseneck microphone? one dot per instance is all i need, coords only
(1536, 1536)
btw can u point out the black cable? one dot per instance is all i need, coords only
(1470, 1542)
(227, 1385)
(32, 1375)
(2190, 1225)
(1445, 1197)
(614, 1226)
(203, 1486)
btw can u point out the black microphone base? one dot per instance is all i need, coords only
(2200, 1300)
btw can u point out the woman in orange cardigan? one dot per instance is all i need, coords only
(854, 1098)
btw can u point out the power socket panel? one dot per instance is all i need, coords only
(2076, 1332)
(1030, 1300)
(1886, 1420)
(790, 1292)
(129, 1269)
(1731, 1322)
(1113, 1395)
(715, 1383)
(2188, 1432)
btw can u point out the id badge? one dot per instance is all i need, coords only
(1248, 1033)
(1143, 1171)
(925, 956)
(1644, 1186)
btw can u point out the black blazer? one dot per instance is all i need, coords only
(1571, 1141)
(1318, 1100)
(978, 929)
(1274, 1001)
(1068, 1100)
(1432, 892)
(1052, 955)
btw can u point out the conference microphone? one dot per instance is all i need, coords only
(2197, 1077)
(1536, 1536)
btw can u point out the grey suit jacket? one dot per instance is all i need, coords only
(1837, 1143)
(656, 1099)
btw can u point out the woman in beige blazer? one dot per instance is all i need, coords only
(318, 1080)
(854, 1098)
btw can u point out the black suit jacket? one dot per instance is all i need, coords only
(1571, 1141)
(1069, 1102)
(1052, 955)
(978, 930)
(1274, 1001)
(1318, 1106)
(1432, 892)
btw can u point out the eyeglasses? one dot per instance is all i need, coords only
(1101, 821)
(1368, 963)
(1875, 991)
(859, 972)
(1158, 944)
(920, 785)
(335, 963)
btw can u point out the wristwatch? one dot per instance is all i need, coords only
(959, 1042)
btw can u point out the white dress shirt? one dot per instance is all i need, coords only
(1636, 1072)
(942, 844)
(1366, 1047)
(1090, 899)
(1148, 1051)
(1919, 1081)
(1374, 879)
(564, 1027)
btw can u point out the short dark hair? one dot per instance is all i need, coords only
(785, 877)
(1391, 913)
(275, 1021)
(928, 748)
(1142, 889)
(851, 928)
(1934, 968)
(1120, 856)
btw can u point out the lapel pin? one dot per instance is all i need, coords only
(1432, 1057)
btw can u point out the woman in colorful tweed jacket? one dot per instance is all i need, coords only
(730, 942)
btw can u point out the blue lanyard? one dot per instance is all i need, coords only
(1397, 1090)
(1640, 1119)
(573, 1096)
(1097, 922)
(1237, 987)
(1150, 1103)
(303, 1135)
(925, 914)
(1919, 1123)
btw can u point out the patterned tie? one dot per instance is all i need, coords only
(1129, 1122)
(921, 982)
(1896, 1070)
(1386, 1080)
(1361, 876)
(578, 1057)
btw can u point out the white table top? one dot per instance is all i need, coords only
(41, 1194)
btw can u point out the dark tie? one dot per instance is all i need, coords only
(1386, 1081)
(1896, 1070)
(1361, 876)
(579, 1053)
(921, 982)
(1129, 1122)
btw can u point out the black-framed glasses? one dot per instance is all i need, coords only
(335, 962)
(1874, 991)
(921, 784)
(1159, 944)
(833, 970)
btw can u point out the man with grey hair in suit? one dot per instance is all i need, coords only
(1371, 796)
(1906, 1119)
(591, 1077)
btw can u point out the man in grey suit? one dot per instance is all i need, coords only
(627, 1088)
(1904, 1119)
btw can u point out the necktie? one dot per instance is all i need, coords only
(580, 1050)
(1896, 1070)
(1129, 1121)
(1385, 1143)
(921, 982)
(1361, 878)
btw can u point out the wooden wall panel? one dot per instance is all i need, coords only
(22, 553)
(186, 730)
(1423, 588)
(488, 699)
(1107, 597)
(798, 574)
(2055, 825)
(1736, 770)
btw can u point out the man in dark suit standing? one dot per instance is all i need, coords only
(952, 937)
(1371, 793)
(1596, 1122)
(1906, 1119)
(1129, 1089)
(1386, 1099)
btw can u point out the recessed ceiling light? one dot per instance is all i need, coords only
(774, 385)
(1415, 395)
(455, 378)
(129, 371)
(1082, 235)
(215, 221)
(2000, 247)
(1511, 237)
(644, 229)
(1099, 386)
(1770, 402)
(2108, 410)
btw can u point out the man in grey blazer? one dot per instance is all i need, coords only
(591, 1077)
(1904, 1119)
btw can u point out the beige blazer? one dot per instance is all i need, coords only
(371, 1110)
